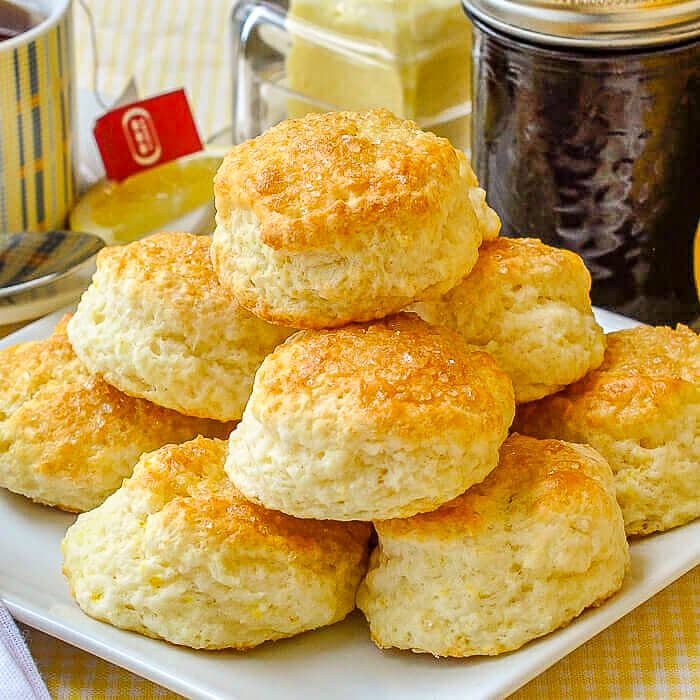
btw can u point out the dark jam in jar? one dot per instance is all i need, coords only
(599, 152)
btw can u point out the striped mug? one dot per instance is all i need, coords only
(37, 119)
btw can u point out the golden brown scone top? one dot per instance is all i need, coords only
(392, 372)
(45, 391)
(533, 479)
(312, 180)
(507, 263)
(654, 352)
(187, 486)
(172, 266)
(646, 370)
(27, 367)
(529, 259)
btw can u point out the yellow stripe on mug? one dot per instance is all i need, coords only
(37, 116)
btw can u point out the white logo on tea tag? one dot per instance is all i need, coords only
(141, 136)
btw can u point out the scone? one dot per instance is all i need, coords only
(527, 304)
(510, 560)
(67, 438)
(156, 324)
(177, 553)
(370, 421)
(641, 411)
(344, 216)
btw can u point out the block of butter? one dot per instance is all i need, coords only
(410, 56)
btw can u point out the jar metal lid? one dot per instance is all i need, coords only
(610, 24)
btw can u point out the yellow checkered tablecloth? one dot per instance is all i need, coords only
(653, 653)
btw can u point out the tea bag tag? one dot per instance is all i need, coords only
(145, 133)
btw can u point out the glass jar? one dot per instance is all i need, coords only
(586, 133)
(410, 56)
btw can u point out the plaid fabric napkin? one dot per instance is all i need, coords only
(19, 678)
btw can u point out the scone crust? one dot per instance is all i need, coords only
(533, 477)
(314, 181)
(67, 438)
(529, 305)
(177, 553)
(398, 376)
(174, 266)
(156, 324)
(370, 421)
(641, 410)
(512, 559)
(343, 217)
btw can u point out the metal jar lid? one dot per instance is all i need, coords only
(609, 24)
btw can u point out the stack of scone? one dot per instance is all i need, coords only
(389, 408)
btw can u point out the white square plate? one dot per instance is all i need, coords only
(338, 661)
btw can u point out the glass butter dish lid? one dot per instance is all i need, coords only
(410, 56)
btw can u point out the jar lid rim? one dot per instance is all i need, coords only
(592, 23)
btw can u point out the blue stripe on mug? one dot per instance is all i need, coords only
(39, 175)
(72, 181)
(66, 193)
(51, 126)
(36, 134)
(20, 131)
(33, 72)
(39, 187)
(18, 87)
(36, 131)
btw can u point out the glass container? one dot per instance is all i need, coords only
(410, 56)
(586, 133)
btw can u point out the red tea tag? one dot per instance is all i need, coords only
(142, 134)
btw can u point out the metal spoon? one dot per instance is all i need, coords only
(29, 260)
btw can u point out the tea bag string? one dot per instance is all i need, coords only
(95, 55)
(222, 135)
